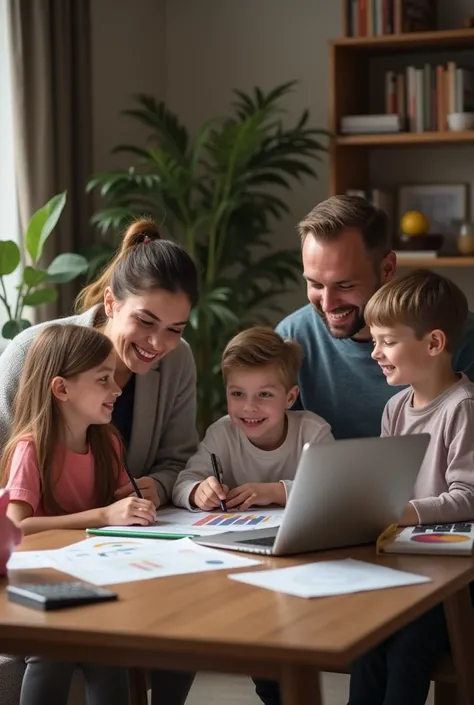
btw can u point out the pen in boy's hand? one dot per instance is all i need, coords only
(215, 470)
(132, 480)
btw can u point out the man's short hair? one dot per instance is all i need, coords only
(334, 215)
(261, 346)
(424, 301)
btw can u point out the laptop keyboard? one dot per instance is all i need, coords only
(266, 541)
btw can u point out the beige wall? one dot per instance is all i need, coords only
(193, 52)
(128, 57)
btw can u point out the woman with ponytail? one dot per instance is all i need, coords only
(141, 302)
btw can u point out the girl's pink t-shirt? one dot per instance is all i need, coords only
(74, 490)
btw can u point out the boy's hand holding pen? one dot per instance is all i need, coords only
(217, 475)
(211, 492)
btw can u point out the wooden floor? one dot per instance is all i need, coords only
(215, 689)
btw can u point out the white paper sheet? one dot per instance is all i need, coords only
(330, 578)
(107, 561)
(26, 560)
(182, 521)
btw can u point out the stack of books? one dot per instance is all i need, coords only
(380, 198)
(371, 124)
(368, 18)
(424, 97)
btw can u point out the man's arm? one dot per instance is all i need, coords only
(285, 331)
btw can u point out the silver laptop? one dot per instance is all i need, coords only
(345, 493)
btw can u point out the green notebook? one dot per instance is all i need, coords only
(139, 532)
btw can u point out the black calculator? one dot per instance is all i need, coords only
(56, 596)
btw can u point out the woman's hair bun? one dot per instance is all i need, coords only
(139, 232)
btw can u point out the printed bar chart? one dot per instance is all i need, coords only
(232, 520)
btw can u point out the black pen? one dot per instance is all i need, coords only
(132, 480)
(215, 470)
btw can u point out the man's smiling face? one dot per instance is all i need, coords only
(341, 277)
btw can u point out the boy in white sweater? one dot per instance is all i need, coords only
(416, 322)
(259, 442)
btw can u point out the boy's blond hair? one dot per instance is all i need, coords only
(424, 301)
(261, 346)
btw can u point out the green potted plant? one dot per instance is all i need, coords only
(36, 286)
(217, 193)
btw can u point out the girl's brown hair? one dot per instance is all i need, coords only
(61, 351)
(144, 262)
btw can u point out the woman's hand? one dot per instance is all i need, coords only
(131, 510)
(147, 487)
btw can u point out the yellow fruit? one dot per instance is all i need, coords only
(414, 223)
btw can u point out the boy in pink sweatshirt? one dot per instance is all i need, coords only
(416, 322)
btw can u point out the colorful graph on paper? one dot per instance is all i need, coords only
(233, 520)
(111, 562)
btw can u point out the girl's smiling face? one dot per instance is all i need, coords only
(89, 397)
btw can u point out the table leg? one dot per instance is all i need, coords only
(138, 687)
(300, 685)
(460, 621)
(445, 694)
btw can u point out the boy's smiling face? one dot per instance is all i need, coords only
(404, 358)
(257, 400)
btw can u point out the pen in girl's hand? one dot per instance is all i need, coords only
(215, 470)
(132, 480)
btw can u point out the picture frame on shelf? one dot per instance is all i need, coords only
(445, 206)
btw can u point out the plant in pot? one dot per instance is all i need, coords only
(36, 285)
(219, 194)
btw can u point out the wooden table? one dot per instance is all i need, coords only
(207, 622)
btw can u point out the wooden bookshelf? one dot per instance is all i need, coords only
(351, 59)
(443, 40)
(434, 262)
(398, 139)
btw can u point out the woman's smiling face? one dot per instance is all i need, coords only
(145, 327)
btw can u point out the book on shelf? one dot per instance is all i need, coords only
(380, 198)
(416, 254)
(424, 97)
(372, 18)
(370, 124)
(453, 539)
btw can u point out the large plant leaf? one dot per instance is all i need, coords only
(166, 128)
(120, 183)
(40, 296)
(115, 218)
(9, 257)
(42, 224)
(13, 327)
(97, 257)
(200, 144)
(34, 277)
(66, 267)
